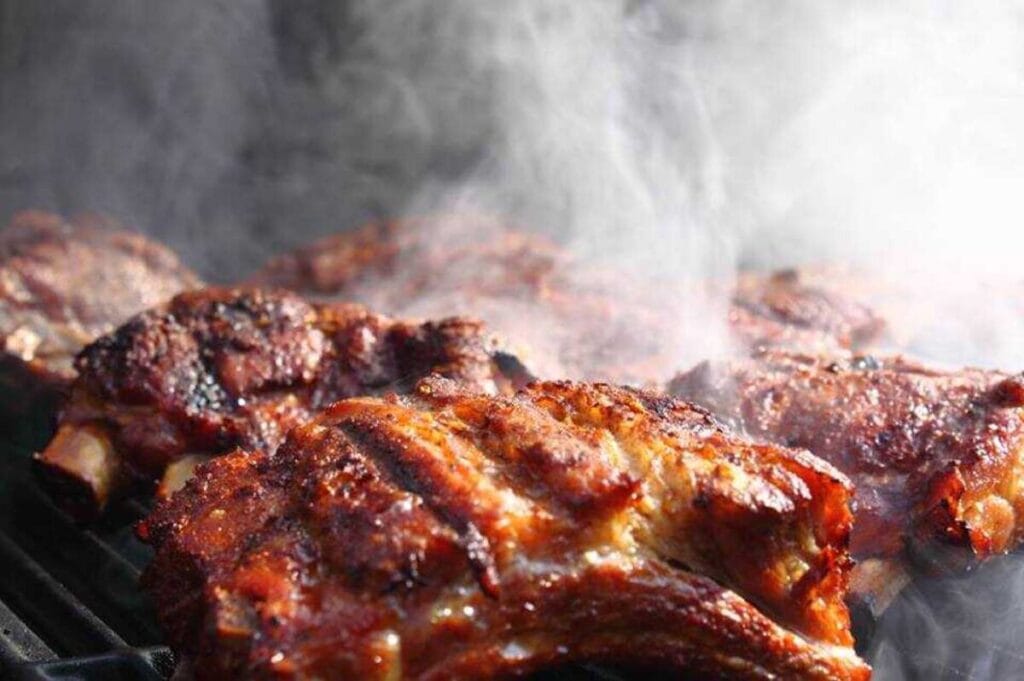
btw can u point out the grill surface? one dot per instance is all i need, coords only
(69, 603)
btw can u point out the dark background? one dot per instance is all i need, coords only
(227, 129)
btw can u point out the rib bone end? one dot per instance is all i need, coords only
(81, 468)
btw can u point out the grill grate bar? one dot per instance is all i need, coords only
(54, 516)
(52, 611)
(99, 566)
(70, 606)
(18, 643)
(135, 664)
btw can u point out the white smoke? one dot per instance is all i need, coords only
(963, 627)
(684, 138)
(139, 112)
(909, 141)
(590, 122)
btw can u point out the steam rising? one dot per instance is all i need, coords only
(955, 628)
(676, 140)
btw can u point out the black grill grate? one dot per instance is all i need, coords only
(70, 607)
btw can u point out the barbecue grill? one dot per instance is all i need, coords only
(70, 607)
(233, 132)
(69, 604)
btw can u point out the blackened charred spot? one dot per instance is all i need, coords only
(1009, 392)
(513, 369)
(204, 391)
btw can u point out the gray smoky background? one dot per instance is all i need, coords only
(668, 138)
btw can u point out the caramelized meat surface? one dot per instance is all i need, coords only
(568, 318)
(219, 368)
(936, 456)
(62, 284)
(800, 310)
(451, 534)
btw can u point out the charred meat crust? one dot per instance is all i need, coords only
(218, 368)
(448, 533)
(936, 455)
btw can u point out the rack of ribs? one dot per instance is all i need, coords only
(215, 368)
(937, 456)
(451, 534)
(62, 284)
(567, 317)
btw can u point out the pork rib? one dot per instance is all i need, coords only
(937, 456)
(218, 368)
(62, 284)
(450, 534)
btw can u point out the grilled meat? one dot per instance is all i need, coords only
(937, 456)
(429, 267)
(62, 284)
(799, 310)
(569, 318)
(451, 534)
(411, 257)
(219, 368)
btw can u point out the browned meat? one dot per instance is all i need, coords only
(449, 534)
(219, 368)
(567, 318)
(411, 257)
(430, 267)
(936, 456)
(62, 284)
(801, 310)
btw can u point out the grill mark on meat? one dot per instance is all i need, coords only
(461, 495)
(394, 536)
(379, 513)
